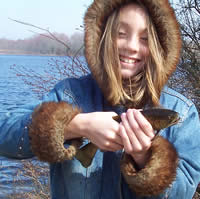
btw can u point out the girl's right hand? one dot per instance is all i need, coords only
(99, 127)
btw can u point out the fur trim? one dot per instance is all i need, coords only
(159, 172)
(46, 131)
(164, 20)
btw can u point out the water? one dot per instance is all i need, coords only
(14, 93)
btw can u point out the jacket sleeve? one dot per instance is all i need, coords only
(184, 178)
(186, 139)
(46, 131)
(14, 139)
(158, 173)
(15, 126)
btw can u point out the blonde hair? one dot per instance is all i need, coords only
(143, 88)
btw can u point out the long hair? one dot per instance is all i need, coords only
(143, 88)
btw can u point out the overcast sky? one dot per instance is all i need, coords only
(62, 16)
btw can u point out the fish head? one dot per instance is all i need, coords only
(161, 118)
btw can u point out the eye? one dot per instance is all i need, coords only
(144, 39)
(122, 34)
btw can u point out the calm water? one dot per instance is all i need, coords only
(14, 93)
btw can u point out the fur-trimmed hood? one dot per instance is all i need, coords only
(162, 16)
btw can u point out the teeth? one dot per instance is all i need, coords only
(129, 61)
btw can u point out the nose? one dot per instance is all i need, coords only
(133, 44)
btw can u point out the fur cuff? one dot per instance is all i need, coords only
(47, 131)
(159, 172)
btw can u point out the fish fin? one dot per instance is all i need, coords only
(86, 154)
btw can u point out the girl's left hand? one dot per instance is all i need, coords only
(136, 133)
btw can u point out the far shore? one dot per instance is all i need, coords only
(13, 52)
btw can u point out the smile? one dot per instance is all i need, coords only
(128, 61)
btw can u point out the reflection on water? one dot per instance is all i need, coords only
(16, 177)
(14, 93)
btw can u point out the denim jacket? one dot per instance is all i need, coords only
(103, 180)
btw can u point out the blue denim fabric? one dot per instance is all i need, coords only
(102, 180)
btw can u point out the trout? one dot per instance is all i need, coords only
(159, 118)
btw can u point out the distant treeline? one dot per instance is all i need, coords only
(42, 44)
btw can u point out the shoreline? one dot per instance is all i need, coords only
(30, 54)
(24, 53)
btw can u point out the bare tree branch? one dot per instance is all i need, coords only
(51, 36)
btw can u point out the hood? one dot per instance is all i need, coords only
(162, 16)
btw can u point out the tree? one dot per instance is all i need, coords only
(188, 13)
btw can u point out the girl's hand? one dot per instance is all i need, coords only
(99, 127)
(136, 133)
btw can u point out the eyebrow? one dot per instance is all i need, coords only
(123, 24)
(126, 25)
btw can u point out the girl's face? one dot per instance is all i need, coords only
(132, 40)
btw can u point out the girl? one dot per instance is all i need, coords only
(132, 47)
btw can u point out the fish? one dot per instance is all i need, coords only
(159, 118)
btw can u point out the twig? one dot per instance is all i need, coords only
(52, 36)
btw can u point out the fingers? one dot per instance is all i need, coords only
(111, 142)
(113, 137)
(139, 123)
(106, 136)
(125, 139)
(111, 146)
(136, 132)
(143, 123)
(130, 141)
(112, 114)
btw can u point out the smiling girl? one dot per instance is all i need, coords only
(132, 47)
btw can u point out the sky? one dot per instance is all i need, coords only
(62, 16)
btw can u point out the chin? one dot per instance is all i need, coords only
(127, 75)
